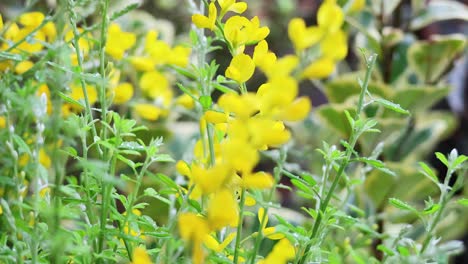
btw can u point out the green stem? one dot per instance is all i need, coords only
(102, 69)
(444, 198)
(349, 151)
(88, 112)
(239, 226)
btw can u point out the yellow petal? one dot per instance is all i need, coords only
(319, 69)
(250, 201)
(202, 21)
(241, 68)
(31, 19)
(222, 210)
(335, 45)
(123, 93)
(260, 216)
(183, 168)
(258, 180)
(215, 117)
(23, 67)
(357, 6)
(143, 63)
(211, 243)
(186, 101)
(140, 256)
(330, 16)
(148, 111)
(296, 111)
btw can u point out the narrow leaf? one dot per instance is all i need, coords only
(392, 106)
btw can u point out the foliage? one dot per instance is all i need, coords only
(123, 145)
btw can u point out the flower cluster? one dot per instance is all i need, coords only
(245, 123)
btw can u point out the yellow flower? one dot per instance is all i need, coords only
(240, 154)
(179, 56)
(243, 106)
(330, 16)
(32, 46)
(257, 180)
(23, 66)
(222, 210)
(148, 111)
(318, 69)
(231, 5)
(44, 192)
(262, 57)
(357, 6)
(43, 89)
(155, 85)
(31, 19)
(77, 94)
(2, 122)
(143, 63)
(118, 41)
(266, 132)
(140, 256)
(1, 208)
(278, 93)
(249, 200)
(302, 37)
(183, 168)
(255, 32)
(281, 67)
(122, 93)
(1, 22)
(83, 43)
(194, 229)
(50, 31)
(241, 68)
(334, 45)
(186, 101)
(297, 110)
(211, 243)
(282, 252)
(212, 179)
(202, 21)
(240, 31)
(215, 117)
(268, 232)
(44, 159)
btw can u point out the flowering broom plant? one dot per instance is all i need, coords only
(124, 142)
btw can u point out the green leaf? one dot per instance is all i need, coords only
(338, 91)
(431, 209)
(372, 162)
(401, 205)
(334, 117)
(205, 101)
(442, 158)
(428, 172)
(162, 158)
(438, 11)
(70, 100)
(392, 106)
(419, 98)
(431, 59)
(124, 11)
(385, 250)
(403, 251)
(150, 192)
(301, 185)
(463, 201)
(458, 161)
(153, 193)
